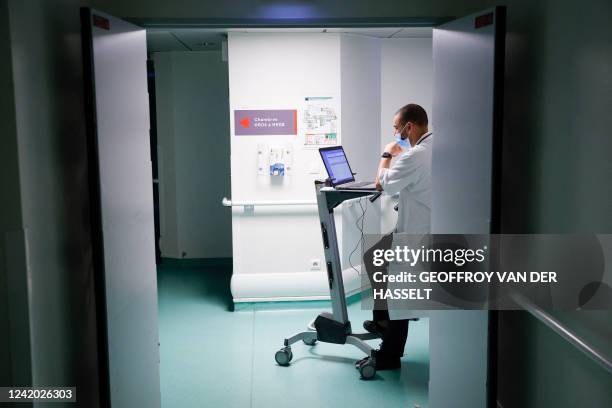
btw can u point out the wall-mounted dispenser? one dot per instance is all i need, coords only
(277, 162)
(274, 160)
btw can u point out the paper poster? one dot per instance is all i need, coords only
(320, 121)
(265, 122)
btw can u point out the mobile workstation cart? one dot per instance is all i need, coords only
(333, 327)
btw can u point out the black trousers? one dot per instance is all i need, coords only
(394, 340)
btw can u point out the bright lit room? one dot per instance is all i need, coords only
(240, 245)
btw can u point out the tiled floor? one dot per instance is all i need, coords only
(214, 357)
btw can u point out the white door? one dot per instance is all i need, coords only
(115, 56)
(468, 56)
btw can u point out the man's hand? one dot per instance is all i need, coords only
(393, 149)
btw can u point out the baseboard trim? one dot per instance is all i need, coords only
(290, 287)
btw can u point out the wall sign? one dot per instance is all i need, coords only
(265, 122)
(320, 121)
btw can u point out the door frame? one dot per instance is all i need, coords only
(271, 23)
(496, 189)
(94, 175)
(274, 23)
(95, 206)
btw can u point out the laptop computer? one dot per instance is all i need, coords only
(339, 170)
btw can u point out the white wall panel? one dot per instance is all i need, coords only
(406, 76)
(462, 193)
(276, 71)
(126, 203)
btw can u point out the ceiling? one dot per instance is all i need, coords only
(206, 39)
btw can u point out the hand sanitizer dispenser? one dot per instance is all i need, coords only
(277, 162)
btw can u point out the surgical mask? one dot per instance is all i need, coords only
(404, 143)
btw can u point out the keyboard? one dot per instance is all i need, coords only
(357, 185)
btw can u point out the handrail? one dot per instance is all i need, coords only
(587, 349)
(226, 202)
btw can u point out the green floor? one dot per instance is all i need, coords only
(213, 357)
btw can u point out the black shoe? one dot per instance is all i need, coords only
(374, 327)
(383, 361)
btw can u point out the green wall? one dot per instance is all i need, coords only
(10, 220)
(556, 179)
(45, 250)
(194, 146)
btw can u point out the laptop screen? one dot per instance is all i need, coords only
(336, 165)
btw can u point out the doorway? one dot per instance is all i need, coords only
(371, 72)
(225, 324)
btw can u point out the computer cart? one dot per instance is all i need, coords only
(333, 327)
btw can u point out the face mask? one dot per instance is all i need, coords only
(400, 141)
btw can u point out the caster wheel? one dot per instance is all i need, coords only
(368, 370)
(283, 356)
(310, 342)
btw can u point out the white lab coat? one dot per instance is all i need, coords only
(410, 176)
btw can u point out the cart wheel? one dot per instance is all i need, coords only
(368, 370)
(283, 356)
(310, 342)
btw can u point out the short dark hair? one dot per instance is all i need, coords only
(413, 113)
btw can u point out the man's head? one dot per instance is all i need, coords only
(411, 122)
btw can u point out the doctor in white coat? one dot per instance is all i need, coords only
(405, 168)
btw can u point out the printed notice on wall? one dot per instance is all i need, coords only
(265, 122)
(320, 121)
